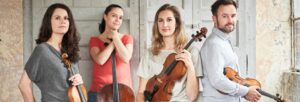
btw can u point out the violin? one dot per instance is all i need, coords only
(159, 87)
(75, 93)
(115, 92)
(234, 76)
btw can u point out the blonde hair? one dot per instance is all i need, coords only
(157, 38)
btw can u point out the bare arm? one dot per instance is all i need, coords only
(124, 51)
(192, 82)
(142, 87)
(25, 86)
(101, 56)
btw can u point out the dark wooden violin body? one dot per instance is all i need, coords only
(115, 92)
(234, 76)
(125, 94)
(159, 87)
(75, 93)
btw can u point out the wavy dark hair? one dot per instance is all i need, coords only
(218, 3)
(107, 10)
(70, 40)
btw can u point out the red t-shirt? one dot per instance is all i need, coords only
(102, 74)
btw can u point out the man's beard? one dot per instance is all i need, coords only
(226, 29)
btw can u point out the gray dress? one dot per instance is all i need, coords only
(46, 69)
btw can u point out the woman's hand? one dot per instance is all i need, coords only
(113, 35)
(76, 79)
(185, 56)
(192, 86)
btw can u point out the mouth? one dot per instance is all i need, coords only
(116, 23)
(229, 24)
(165, 30)
(62, 27)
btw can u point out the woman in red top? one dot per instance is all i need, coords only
(101, 48)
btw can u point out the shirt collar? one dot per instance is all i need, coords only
(224, 36)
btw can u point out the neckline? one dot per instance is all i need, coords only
(218, 32)
(57, 53)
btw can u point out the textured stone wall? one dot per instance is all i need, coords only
(291, 86)
(11, 49)
(273, 44)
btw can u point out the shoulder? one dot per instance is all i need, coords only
(213, 40)
(40, 48)
(126, 36)
(93, 38)
(127, 39)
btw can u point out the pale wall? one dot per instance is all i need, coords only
(273, 43)
(11, 49)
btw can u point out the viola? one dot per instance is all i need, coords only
(234, 76)
(75, 93)
(159, 87)
(115, 92)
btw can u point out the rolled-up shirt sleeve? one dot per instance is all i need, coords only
(214, 63)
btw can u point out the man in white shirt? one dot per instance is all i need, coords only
(217, 53)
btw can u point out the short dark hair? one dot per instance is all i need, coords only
(218, 3)
(70, 40)
(107, 10)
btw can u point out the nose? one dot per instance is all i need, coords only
(165, 23)
(230, 19)
(63, 21)
(118, 19)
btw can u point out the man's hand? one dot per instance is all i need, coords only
(253, 95)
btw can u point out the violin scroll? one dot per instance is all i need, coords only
(200, 34)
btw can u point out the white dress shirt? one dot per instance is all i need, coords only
(216, 54)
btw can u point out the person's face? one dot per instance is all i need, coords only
(226, 18)
(114, 18)
(166, 23)
(60, 21)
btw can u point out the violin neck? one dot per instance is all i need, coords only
(170, 67)
(267, 94)
(174, 62)
(78, 87)
(116, 97)
(189, 43)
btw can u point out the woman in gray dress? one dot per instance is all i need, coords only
(45, 68)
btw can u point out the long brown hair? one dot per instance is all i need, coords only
(70, 40)
(157, 38)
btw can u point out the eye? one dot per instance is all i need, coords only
(57, 18)
(169, 19)
(160, 20)
(233, 15)
(121, 17)
(66, 18)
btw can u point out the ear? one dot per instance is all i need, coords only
(214, 18)
(105, 17)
